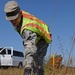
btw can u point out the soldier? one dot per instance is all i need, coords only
(35, 34)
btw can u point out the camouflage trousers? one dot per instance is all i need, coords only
(34, 53)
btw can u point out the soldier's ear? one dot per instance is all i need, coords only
(20, 12)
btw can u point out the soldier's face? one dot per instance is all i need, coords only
(16, 21)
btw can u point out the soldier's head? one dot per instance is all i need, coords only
(13, 13)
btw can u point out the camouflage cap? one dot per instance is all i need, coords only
(12, 10)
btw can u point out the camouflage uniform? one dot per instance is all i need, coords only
(34, 53)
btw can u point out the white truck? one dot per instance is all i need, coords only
(11, 57)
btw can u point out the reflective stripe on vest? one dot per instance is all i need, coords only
(33, 18)
(36, 25)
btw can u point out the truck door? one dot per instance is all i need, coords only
(6, 58)
(3, 57)
(10, 57)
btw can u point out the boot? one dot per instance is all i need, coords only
(27, 71)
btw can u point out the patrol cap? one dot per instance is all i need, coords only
(12, 10)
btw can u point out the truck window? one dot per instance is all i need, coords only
(3, 51)
(9, 51)
(17, 53)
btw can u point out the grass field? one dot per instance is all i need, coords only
(48, 71)
(11, 71)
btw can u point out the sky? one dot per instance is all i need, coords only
(59, 16)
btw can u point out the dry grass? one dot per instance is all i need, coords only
(48, 71)
(64, 71)
(11, 71)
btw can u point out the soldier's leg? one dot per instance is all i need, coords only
(30, 49)
(41, 52)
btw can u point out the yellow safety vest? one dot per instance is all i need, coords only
(32, 23)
